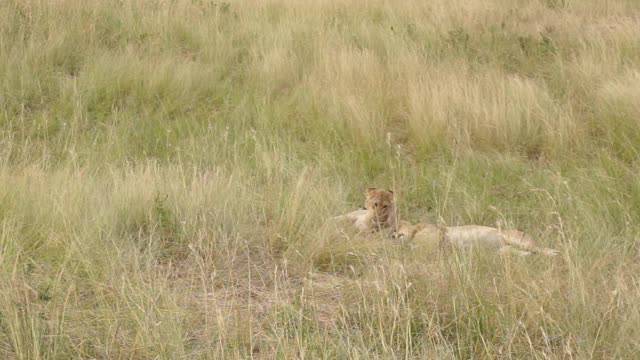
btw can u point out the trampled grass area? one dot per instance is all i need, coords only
(167, 169)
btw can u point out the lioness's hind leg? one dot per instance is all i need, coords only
(510, 250)
(548, 252)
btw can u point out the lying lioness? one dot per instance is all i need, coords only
(468, 236)
(356, 217)
(379, 212)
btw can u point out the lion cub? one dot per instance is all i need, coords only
(468, 236)
(379, 212)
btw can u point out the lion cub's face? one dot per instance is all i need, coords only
(406, 231)
(381, 206)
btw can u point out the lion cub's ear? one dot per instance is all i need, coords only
(370, 191)
(391, 191)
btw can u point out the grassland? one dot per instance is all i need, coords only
(167, 169)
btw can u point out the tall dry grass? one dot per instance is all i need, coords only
(167, 169)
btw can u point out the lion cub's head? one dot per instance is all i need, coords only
(406, 231)
(381, 208)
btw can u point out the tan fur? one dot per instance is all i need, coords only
(467, 236)
(356, 217)
(381, 210)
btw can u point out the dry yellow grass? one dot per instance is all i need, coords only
(167, 169)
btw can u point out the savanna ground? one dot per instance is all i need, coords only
(167, 169)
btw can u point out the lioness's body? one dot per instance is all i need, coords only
(469, 236)
(358, 218)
